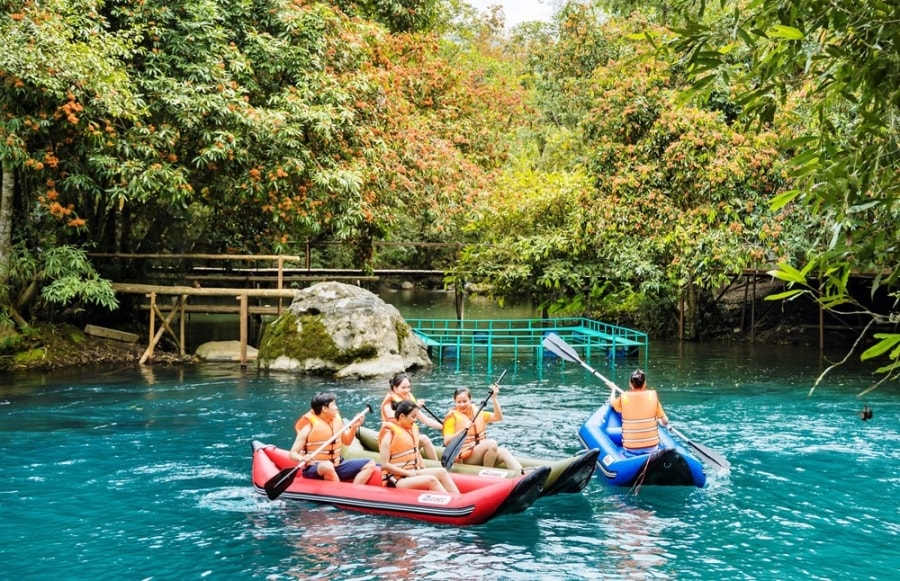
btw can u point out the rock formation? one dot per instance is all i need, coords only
(342, 330)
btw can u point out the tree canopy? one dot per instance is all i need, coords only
(619, 161)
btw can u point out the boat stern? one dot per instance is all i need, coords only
(527, 490)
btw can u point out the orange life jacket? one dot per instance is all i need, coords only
(391, 397)
(477, 431)
(639, 413)
(404, 448)
(320, 432)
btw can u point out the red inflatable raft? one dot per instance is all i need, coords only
(481, 498)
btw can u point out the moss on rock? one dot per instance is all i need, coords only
(311, 341)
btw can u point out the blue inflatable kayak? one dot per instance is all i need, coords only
(670, 465)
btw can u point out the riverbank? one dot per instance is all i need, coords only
(48, 347)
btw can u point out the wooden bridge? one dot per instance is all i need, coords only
(258, 284)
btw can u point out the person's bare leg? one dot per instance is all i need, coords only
(363, 475)
(507, 458)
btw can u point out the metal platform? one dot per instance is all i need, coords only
(516, 338)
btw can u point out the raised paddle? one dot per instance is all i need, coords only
(452, 450)
(554, 343)
(280, 482)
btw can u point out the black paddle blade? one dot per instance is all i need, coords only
(452, 451)
(710, 456)
(280, 482)
(706, 454)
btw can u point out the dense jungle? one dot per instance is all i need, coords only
(628, 160)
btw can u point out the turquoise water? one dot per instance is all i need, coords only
(145, 474)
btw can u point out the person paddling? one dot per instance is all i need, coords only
(641, 415)
(478, 448)
(401, 462)
(401, 389)
(316, 427)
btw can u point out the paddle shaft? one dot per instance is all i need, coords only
(432, 414)
(280, 482)
(452, 450)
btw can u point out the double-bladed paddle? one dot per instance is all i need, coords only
(452, 450)
(281, 481)
(554, 343)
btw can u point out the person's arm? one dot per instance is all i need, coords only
(300, 443)
(617, 404)
(450, 432)
(428, 420)
(347, 437)
(661, 415)
(432, 423)
(386, 410)
(497, 414)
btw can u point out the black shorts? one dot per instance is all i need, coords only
(391, 480)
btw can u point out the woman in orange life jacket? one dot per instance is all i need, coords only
(400, 390)
(401, 462)
(315, 428)
(641, 412)
(478, 448)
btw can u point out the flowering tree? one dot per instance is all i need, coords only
(60, 71)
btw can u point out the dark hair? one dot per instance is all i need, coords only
(403, 408)
(321, 400)
(461, 390)
(638, 378)
(397, 380)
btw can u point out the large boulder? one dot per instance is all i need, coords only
(342, 330)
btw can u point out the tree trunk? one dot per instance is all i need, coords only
(7, 190)
(691, 300)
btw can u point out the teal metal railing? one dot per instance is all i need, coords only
(488, 338)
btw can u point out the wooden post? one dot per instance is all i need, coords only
(280, 280)
(181, 323)
(681, 318)
(244, 316)
(148, 354)
(164, 326)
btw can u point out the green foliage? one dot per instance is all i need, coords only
(401, 15)
(562, 65)
(74, 280)
(10, 342)
(840, 60)
(670, 195)
(219, 126)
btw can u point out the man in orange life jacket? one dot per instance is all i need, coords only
(641, 410)
(315, 428)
